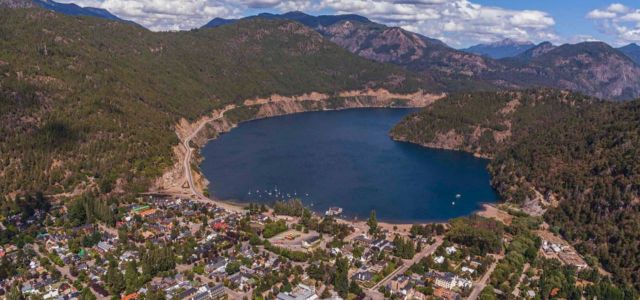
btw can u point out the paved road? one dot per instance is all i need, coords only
(187, 163)
(480, 285)
(408, 263)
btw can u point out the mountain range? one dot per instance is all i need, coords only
(64, 8)
(593, 68)
(632, 51)
(501, 49)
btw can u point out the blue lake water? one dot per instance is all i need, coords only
(346, 159)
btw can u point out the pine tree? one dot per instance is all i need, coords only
(341, 280)
(115, 280)
(372, 222)
(354, 288)
(132, 277)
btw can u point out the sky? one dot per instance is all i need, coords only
(459, 23)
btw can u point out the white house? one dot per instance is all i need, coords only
(450, 281)
(450, 250)
(439, 259)
(468, 270)
(301, 292)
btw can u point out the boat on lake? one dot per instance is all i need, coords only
(333, 211)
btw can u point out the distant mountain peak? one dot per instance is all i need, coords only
(632, 51)
(537, 50)
(310, 21)
(501, 49)
(296, 13)
(511, 42)
(63, 8)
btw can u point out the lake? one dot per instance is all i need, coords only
(347, 159)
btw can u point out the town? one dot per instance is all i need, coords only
(166, 247)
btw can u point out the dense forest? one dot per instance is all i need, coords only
(94, 102)
(575, 155)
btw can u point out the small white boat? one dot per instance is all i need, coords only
(333, 211)
(458, 196)
(453, 203)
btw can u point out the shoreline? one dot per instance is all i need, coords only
(434, 146)
(216, 124)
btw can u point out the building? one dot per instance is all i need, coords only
(383, 245)
(218, 291)
(362, 276)
(218, 265)
(187, 294)
(131, 296)
(450, 281)
(468, 270)
(399, 282)
(311, 241)
(363, 239)
(445, 294)
(207, 293)
(301, 292)
(103, 247)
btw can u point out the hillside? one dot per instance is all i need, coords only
(484, 123)
(64, 8)
(571, 155)
(75, 10)
(632, 51)
(95, 102)
(501, 49)
(432, 58)
(595, 69)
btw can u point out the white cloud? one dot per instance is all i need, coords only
(601, 14)
(456, 22)
(186, 14)
(165, 14)
(618, 20)
(618, 8)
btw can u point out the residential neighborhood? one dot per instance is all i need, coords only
(167, 247)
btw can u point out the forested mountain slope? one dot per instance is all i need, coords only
(592, 68)
(432, 58)
(89, 101)
(574, 155)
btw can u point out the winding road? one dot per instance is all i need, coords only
(187, 162)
